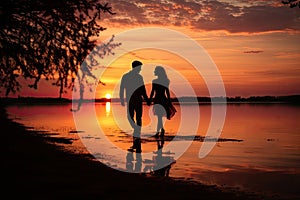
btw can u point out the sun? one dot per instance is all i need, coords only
(108, 96)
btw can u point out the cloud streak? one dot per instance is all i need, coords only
(254, 51)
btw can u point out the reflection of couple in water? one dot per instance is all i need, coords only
(160, 164)
(132, 84)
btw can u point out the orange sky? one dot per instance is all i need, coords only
(253, 43)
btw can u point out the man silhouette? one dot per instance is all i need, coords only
(133, 84)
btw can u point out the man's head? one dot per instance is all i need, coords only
(137, 66)
(136, 63)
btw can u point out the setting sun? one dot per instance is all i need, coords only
(107, 96)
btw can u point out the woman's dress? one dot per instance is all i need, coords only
(162, 105)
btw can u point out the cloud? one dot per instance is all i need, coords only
(288, 55)
(253, 51)
(252, 16)
(277, 73)
(253, 19)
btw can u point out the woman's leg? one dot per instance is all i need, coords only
(159, 123)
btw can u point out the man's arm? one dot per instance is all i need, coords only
(152, 92)
(121, 92)
(144, 93)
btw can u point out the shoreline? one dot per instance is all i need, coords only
(35, 169)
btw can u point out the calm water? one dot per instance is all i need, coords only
(260, 150)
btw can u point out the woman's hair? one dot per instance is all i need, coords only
(162, 75)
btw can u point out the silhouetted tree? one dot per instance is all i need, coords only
(292, 3)
(49, 39)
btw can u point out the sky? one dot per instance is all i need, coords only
(253, 45)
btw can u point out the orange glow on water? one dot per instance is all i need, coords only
(269, 134)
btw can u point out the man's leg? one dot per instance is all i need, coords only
(137, 131)
(138, 116)
(130, 115)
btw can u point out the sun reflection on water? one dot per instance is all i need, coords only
(107, 108)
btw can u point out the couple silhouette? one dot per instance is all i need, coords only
(132, 83)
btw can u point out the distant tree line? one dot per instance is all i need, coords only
(239, 99)
(295, 99)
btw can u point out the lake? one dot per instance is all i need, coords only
(257, 149)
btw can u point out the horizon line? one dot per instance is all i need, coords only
(295, 98)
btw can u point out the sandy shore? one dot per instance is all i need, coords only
(35, 169)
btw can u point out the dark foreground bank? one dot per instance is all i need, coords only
(35, 169)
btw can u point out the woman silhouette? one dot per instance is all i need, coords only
(162, 102)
